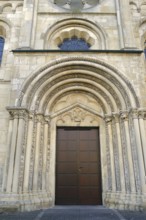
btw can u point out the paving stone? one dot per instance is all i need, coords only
(74, 213)
(132, 215)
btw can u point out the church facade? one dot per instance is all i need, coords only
(72, 103)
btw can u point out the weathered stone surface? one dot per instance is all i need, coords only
(42, 87)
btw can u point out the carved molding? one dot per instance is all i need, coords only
(116, 117)
(89, 84)
(18, 113)
(108, 119)
(76, 115)
(124, 115)
(58, 64)
(81, 92)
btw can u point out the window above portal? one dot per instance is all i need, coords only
(75, 33)
(74, 43)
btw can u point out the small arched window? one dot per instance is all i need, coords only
(74, 44)
(2, 41)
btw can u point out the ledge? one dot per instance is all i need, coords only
(132, 51)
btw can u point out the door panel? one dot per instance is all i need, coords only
(78, 177)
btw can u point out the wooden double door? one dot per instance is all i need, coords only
(78, 171)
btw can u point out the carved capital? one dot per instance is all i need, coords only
(31, 115)
(116, 117)
(108, 118)
(23, 114)
(134, 113)
(18, 113)
(39, 117)
(124, 115)
(142, 114)
(47, 119)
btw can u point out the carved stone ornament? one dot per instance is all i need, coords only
(116, 117)
(142, 114)
(124, 115)
(39, 117)
(47, 119)
(77, 115)
(15, 113)
(135, 113)
(108, 118)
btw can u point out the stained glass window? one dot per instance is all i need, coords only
(2, 41)
(73, 44)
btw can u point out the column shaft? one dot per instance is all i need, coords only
(36, 160)
(121, 36)
(10, 131)
(121, 164)
(130, 159)
(112, 157)
(143, 139)
(126, 24)
(12, 155)
(28, 155)
(140, 154)
(18, 154)
(45, 155)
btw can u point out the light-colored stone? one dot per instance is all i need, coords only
(43, 89)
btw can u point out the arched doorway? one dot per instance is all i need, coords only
(76, 92)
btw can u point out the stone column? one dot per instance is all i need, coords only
(119, 21)
(45, 153)
(124, 117)
(27, 32)
(20, 138)
(28, 153)
(119, 145)
(142, 114)
(126, 24)
(108, 120)
(139, 148)
(37, 151)
(10, 131)
(12, 150)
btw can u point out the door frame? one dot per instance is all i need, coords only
(52, 162)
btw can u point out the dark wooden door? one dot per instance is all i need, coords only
(78, 176)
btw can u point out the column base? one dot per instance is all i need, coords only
(40, 200)
(25, 202)
(120, 201)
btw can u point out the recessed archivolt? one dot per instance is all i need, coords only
(64, 28)
(79, 74)
(87, 79)
(74, 73)
(45, 92)
(101, 97)
(85, 101)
